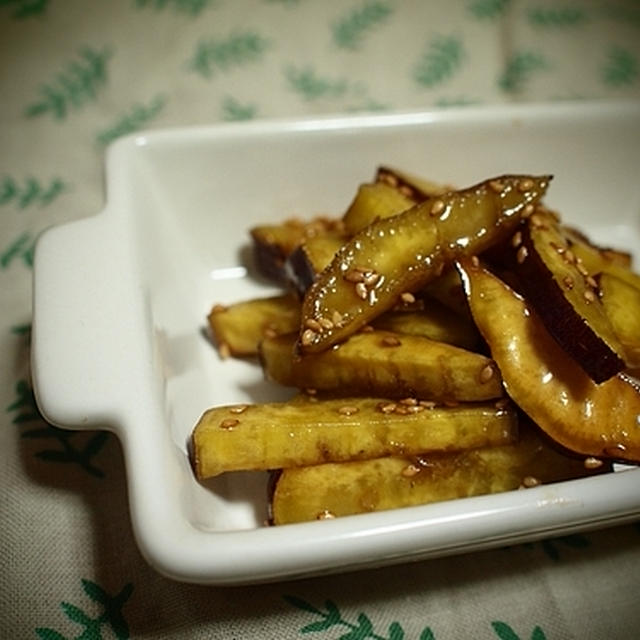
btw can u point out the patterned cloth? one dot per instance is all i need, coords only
(76, 74)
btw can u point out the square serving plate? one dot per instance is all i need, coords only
(121, 298)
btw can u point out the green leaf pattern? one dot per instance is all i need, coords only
(349, 31)
(557, 16)
(21, 9)
(135, 118)
(20, 248)
(76, 448)
(215, 55)
(442, 58)
(488, 9)
(520, 68)
(111, 620)
(311, 85)
(360, 629)
(621, 67)
(29, 191)
(75, 85)
(189, 7)
(85, 89)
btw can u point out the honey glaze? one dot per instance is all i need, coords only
(405, 252)
(599, 420)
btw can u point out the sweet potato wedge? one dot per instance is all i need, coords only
(384, 364)
(273, 243)
(375, 200)
(405, 252)
(412, 186)
(621, 302)
(435, 322)
(598, 420)
(238, 328)
(565, 296)
(299, 433)
(311, 257)
(334, 490)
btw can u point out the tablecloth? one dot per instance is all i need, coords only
(77, 74)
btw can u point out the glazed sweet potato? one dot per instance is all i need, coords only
(409, 184)
(238, 328)
(434, 321)
(333, 490)
(565, 296)
(598, 420)
(273, 243)
(384, 364)
(300, 433)
(621, 302)
(403, 253)
(421, 367)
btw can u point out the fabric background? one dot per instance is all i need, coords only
(76, 74)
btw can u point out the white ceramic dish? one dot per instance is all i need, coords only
(121, 299)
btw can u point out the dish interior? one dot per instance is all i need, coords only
(193, 198)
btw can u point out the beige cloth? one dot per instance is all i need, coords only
(74, 75)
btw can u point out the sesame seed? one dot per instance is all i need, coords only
(501, 403)
(270, 239)
(496, 186)
(530, 481)
(391, 341)
(325, 323)
(589, 296)
(219, 308)
(313, 324)
(558, 248)
(569, 256)
(407, 298)
(387, 407)
(536, 220)
(361, 290)
(475, 262)
(348, 410)
(582, 270)
(406, 190)
(516, 240)
(410, 470)
(229, 423)
(528, 210)
(389, 178)
(486, 373)
(239, 408)
(592, 463)
(370, 278)
(310, 391)
(354, 275)
(224, 350)
(409, 401)
(568, 282)
(427, 404)
(325, 515)
(308, 336)
(525, 185)
(522, 254)
(367, 328)
(336, 318)
(437, 207)
(591, 281)
(269, 333)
